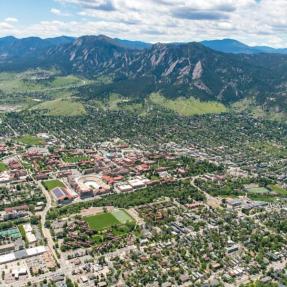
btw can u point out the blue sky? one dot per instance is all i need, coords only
(255, 22)
(26, 11)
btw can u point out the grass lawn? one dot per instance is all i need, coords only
(74, 158)
(258, 190)
(30, 140)
(62, 107)
(62, 81)
(262, 197)
(56, 87)
(51, 184)
(3, 166)
(12, 82)
(276, 188)
(98, 239)
(22, 231)
(101, 221)
(122, 216)
(188, 106)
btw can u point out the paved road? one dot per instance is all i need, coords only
(211, 201)
(43, 214)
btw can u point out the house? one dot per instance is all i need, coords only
(42, 176)
(232, 249)
(184, 278)
(16, 212)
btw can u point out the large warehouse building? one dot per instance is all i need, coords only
(22, 254)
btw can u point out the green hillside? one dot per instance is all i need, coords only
(188, 106)
(62, 107)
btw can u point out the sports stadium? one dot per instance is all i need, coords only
(90, 185)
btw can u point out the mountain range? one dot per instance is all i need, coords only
(175, 69)
(236, 47)
(225, 45)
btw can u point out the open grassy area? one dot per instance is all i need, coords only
(62, 107)
(22, 231)
(187, 106)
(3, 166)
(12, 82)
(30, 140)
(249, 105)
(62, 81)
(182, 106)
(278, 151)
(51, 184)
(276, 188)
(262, 197)
(18, 82)
(122, 216)
(74, 158)
(40, 93)
(258, 190)
(117, 102)
(101, 221)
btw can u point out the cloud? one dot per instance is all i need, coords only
(103, 5)
(11, 19)
(55, 11)
(5, 26)
(253, 22)
(58, 12)
(199, 14)
(226, 7)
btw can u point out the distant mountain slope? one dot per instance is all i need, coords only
(229, 46)
(138, 45)
(60, 40)
(24, 50)
(236, 47)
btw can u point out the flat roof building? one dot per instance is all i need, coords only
(22, 254)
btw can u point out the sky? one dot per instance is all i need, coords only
(254, 22)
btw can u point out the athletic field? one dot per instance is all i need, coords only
(122, 216)
(106, 220)
(258, 190)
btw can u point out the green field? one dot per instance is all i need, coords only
(3, 166)
(182, 106)
(22, 231)
(51, 184)
(258, 190)
(276, 188)
(42, 94)
(117, 102)
(74, 158)
(187, 106)
(30, 140)
(62, 107)
(122, 216)
(117, 217)
(101, 221)
(249, 105)
(17, 82)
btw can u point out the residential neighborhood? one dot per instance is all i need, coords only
(123, 215)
